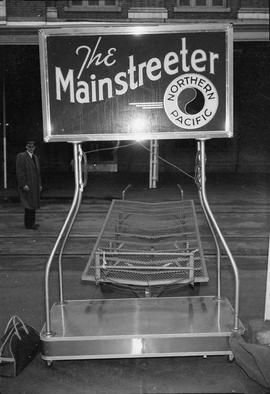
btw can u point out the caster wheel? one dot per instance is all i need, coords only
(194, 289)
(147, 292)
(230, 358)
(105, 288)
(49, 363)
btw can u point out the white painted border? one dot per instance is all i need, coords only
(267, 294)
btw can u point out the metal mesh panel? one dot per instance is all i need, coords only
(148, 244)
(144, 269)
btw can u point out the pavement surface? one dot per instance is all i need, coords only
(241, 206)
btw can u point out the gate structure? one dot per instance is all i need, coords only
(105, 82)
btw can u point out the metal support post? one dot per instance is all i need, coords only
(4, 123)
(267, 293)
(69, 219)
(201, 155)
(198, 180)
(73, 216)
(153, 167)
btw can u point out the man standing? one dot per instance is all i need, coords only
(29, 183)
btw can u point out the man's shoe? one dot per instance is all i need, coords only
(34, 227)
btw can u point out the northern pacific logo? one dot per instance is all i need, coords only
(191, 101)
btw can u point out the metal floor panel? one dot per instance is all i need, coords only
(140, 327)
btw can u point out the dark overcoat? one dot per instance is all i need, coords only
(28, 173)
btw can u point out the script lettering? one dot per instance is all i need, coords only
(94, 57)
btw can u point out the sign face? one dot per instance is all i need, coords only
(136, 82)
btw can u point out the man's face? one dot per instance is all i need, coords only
(31, 147)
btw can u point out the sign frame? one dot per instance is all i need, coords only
(104, 29)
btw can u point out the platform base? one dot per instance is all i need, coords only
(140, 327)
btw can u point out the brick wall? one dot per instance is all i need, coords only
(147, 3)
(229, 13)
(66, 13)
(36, 9)
(254, 3)
(30, 9)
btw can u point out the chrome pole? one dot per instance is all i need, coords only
(73, 216)
(49, 262)
(153, 164)
(198, 180)
(4, 123)
(217, 247)
(201, 148)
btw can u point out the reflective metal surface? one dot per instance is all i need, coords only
(142, 327)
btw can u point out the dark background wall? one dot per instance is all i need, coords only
(248, 151)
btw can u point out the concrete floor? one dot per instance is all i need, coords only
(242, 206)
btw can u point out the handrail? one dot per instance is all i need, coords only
(73, 216)
(85, 168)
(198, 182)
(124, 191)
(201, 150)
(181, 191)
(49, 262)
(217, 246)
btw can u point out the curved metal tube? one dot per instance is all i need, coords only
(49, 262)
(72, 219)
(198, 181)
(201, 149)
(217, 246)
(181, 191)
(125, 190)
(85, 169)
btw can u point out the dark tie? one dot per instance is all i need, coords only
(33, 158)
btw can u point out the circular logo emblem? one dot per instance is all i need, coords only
(190, 101)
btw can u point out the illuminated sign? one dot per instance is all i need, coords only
(127, 82)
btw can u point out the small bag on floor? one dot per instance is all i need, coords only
(18, 346)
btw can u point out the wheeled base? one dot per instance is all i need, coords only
(139, 327)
